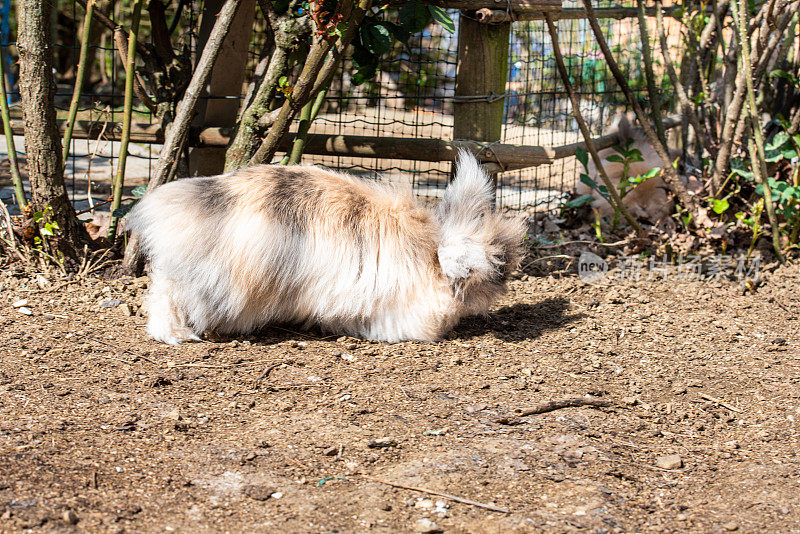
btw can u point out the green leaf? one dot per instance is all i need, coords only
(45, 230)
(771, 156)
(375, 38)
(399, 32)
(582, 200)
(783, 74)
(365, 63)
(789, 152)
(778, 186)
(646, 176)
(441, 16)
(341, 27)
(364, 74)
(139, 191)
(780, 139)
(582, 156)
(603, 190)
(123, 210)
(587, 180)
(760, 191)
(615, 158)
(280, 6)
(720, 206)
(742, 168)
(414, 16)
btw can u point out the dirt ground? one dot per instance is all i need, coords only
(103, 430)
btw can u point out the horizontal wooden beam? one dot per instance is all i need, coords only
(499, 156)
(110, 131)
(515, 6)
(496, 15)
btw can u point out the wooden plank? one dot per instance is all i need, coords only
(482, 71)
(226, 82)
(403, 148)
(495, 15)
(517, 6)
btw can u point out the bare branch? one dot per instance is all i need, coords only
(699, 215)
(178, 132)
(615, 199)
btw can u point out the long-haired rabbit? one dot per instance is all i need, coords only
(304, 245)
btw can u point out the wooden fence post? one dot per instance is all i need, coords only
(227, 78)
(480, 80)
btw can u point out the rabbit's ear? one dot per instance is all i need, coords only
(625, 124)
(461, 213)
(469, 195)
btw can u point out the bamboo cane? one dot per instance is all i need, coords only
(19, 190)
(615, 199)
(307, 116)
(757, 158)
(652, 90)
(130, 75)
(699, 214)
(79, 79)
(176, 136)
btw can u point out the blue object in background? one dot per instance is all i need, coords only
(5, 38)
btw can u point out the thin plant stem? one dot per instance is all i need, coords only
(683, 98)
(587, 136)
(307, 116)
(312, 78)
(19, 190)
(79, 79)
(130, 75)
(652, 90)
(177, 133)
(699, 214)
(756, 156)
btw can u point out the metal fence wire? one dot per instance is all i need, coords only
(411, 96)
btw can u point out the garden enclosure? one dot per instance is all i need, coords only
(493, 82)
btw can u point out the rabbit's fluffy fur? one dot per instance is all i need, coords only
(304, 245)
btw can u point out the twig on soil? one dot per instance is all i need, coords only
(107, 357)
(269, 370)
(10, 230)
(297, 386)
(54, 288)
(720, 402)
(295, 462)
(647, 466)
(551, 406)
(204, 366)
(124, 350)
(565, 243)
(440, 494)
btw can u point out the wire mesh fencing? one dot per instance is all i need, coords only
(412, 96)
